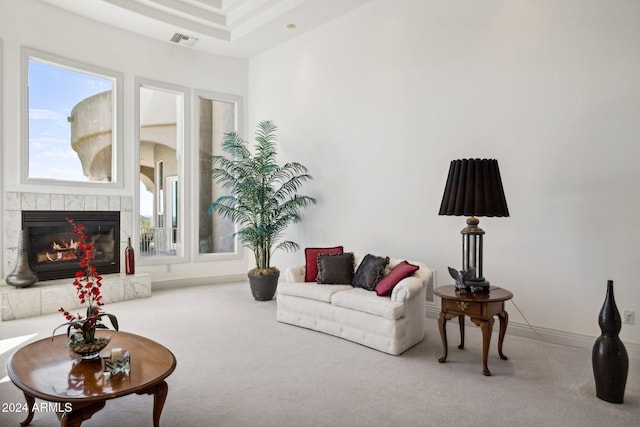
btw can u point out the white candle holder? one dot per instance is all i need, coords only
(119, 362)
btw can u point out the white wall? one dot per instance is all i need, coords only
(39, 26)
(378, 102)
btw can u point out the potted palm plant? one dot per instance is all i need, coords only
(262, 200)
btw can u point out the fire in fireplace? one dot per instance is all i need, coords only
(51, 245)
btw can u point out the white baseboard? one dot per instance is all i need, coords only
(552, 336)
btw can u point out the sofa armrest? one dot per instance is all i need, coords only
(411, 286)
(295, 273)
(406, 289)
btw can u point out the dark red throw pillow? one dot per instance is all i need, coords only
(399, 272)
(311, 256)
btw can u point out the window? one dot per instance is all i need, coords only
(161, 153)
(71, 121)
(217, 115)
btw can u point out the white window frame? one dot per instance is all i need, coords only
(238, 102)
(184, 176)
(117, 129)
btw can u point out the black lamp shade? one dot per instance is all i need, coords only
(474, 188)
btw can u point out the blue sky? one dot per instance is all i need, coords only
(53, 92)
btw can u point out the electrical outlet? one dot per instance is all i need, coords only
(629, 317)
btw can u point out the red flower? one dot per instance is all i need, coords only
(87, 282)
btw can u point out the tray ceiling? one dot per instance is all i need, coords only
(240, 28)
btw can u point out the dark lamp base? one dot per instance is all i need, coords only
(477, 285)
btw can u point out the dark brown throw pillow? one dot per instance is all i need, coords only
(369, 272)
(311, 258)
(335, 269)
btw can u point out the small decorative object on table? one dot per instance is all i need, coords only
(462, 279)
(119, 362)
(81, 330)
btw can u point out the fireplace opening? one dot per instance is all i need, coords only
(51, 243)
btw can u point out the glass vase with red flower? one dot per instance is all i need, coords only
(81, 330)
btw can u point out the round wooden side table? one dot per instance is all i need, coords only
(481, 308)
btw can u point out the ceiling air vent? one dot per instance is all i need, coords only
(183, 40)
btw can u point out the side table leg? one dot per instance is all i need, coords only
(30, 402)
(504, 320)
(442, 323)
(461, 322)
(486, 326)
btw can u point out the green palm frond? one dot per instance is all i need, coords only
(263, 197)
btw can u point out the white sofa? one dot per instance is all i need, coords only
(391, 324)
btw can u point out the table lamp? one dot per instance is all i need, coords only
(474, 189)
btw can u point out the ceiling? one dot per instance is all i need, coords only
(239, 28)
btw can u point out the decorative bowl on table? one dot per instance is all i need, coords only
(88, 350)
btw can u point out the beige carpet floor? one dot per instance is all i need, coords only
(238, 366)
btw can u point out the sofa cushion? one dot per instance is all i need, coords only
(311, 290)
(311, 258)
(386, 284)
(335, 268)
(369, 272)
(367, 301)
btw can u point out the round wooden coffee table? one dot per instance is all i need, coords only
(48, 370)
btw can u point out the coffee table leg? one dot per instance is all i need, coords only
(79, 414)
(486, 326)
(442, 323)
(30, 402)
(159, 392)
(158, 401)
(504, 320)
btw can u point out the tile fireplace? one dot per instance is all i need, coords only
(47, 296)
(51, 246)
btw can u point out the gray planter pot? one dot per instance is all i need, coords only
(263, 287)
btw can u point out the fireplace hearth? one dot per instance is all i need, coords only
(51, 246)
